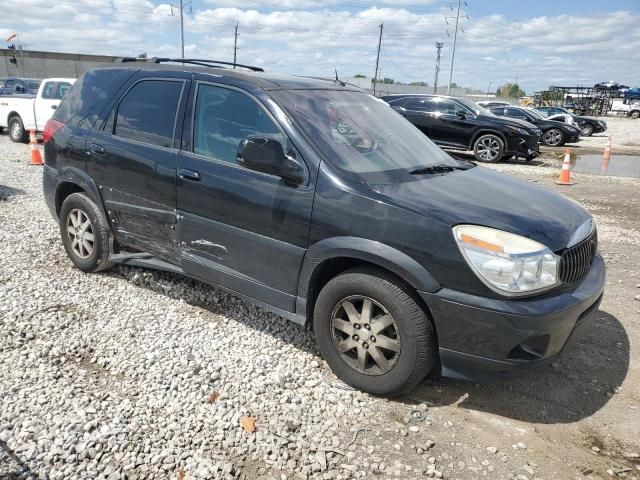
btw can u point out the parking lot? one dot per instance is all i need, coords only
(138, 374)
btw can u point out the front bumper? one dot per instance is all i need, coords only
(523, 146)
(482, 338)
(572, 138)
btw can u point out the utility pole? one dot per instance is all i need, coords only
(489, 89)
(439, 46)
(235, 46)
(181, 7)
(375, 76)
(453, 50)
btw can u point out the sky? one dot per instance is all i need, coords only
(539, 43)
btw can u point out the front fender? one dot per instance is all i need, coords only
(367, 250)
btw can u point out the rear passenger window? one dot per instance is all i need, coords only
(223, 118)
(55, 90)
(148, 111)
(420, 104)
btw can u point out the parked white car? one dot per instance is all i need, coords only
(21, 113)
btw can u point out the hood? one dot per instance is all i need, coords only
(514, 122)
(482, 196)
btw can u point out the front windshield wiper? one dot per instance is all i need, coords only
(441, 167)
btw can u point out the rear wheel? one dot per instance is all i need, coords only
(85, 233)
(17, 133)
(373, 333)
(553, 137)
(488, 148)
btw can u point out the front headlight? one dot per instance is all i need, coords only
(520, 131)
(507, 263)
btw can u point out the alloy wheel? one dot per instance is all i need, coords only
(365, 335)
(80, 233)
(587, 130)
(552, 137)
(488, 149)
(16, 130)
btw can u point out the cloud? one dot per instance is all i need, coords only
(315, 36)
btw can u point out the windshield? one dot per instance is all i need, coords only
(359, 133)
(535, 113)
(474, 107)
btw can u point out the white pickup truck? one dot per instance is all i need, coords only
(21, 113)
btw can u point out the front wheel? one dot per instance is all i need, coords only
(635, 114)
(553, 137)
(17, 133)
(488, 148)
(373, 333)
(587, 130)
(85, 233)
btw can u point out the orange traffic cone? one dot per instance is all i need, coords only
(606, 157)
(36, 158)
(565, 171)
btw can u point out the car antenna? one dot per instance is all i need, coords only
(337, 79)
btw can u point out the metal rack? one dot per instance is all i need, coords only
(582, 100)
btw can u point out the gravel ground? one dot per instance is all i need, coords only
(135, 374)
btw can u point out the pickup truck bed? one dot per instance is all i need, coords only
(22, 112)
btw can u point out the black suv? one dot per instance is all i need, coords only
(554, 133)
(588, 125)
(319, 202)
(457, 123)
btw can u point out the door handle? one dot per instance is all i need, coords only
(187, 174)
(95, 148)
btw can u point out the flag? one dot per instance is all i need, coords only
(11, 36)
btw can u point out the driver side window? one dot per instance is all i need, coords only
(223, 118)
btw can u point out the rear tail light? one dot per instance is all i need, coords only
(50, 129)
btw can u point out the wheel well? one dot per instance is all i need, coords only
(334, 266)
(484, 132)
(11, 115)
(64, 190)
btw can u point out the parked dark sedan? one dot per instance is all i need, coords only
(554, 133)
(458, 123)
(588, 125)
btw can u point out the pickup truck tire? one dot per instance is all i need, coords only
(85, 233)
(634, 114)
(373, 333)
(17, 133)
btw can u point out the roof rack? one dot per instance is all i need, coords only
(194, 61)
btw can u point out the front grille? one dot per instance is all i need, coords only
(576, 261)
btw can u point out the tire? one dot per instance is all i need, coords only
(76, 210)
(488, 148)
(554, 137)
(635, 114)
(17, 133)
(409, 330)
(587, 130)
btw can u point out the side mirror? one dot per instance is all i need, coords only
(19, 89)
(266, 155)
(461, 114)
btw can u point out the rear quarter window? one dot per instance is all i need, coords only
(94, 87)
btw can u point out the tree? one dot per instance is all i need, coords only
(510, 90)
(419, 84)
(359, 75)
